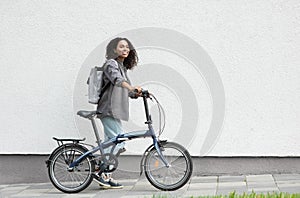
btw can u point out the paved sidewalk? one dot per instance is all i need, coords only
(199, 185)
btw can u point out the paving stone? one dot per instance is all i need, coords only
(32, 192)
(11, 190)
(290, 189)
(80, 195)
(232, 184)
(44, 196)
(204, 179)
(54, 191)
(170, 193)
(143, 188)
(262, 185)
(203, 192)
(197, 186)
(3, 186)
(286, 177)
(224, 188)
(14, 188)
(111, 193)
(137, 196)
(134, 194)
(238, 178)
(259, 178)
(263, 190)
(288, 182)
(226, 191)
(23, 196)
(142, 183)
(40, 187)
(282, 185)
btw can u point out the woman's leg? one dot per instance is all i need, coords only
(112, 128)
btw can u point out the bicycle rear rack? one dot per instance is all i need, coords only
(60, 141)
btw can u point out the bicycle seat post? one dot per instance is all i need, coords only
(95, 130)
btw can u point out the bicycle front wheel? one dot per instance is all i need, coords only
(70, 180)
(173, 177)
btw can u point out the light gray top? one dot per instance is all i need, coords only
(114, 100)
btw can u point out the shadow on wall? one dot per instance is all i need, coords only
(165, 76)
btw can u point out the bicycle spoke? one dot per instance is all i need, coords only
(184, 162)
(81, 174)
(59, 171)
(80, 177)
(61, 164)
(171, 178)
(175, 172)
(180, 168)
(60, 176)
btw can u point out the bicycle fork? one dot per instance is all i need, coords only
(161, 156)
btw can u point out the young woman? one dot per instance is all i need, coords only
(113, 105)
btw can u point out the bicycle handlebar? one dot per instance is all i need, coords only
(135, 94)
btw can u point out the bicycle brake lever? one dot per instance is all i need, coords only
(150, 94)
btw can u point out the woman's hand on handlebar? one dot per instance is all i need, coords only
(139, 90)
(135, 92)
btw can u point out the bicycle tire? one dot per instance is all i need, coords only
(164, 178)
(70, 181)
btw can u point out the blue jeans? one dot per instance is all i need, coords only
(112, 127)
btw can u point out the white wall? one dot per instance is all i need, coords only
(254, 46)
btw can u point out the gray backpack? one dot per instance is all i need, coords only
(95, 82)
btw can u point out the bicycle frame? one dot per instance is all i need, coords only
(125, 137)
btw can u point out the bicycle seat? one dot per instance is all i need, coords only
(86, 114)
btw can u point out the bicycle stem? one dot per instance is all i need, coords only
(148, 116)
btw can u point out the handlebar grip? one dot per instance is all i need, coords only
(133, 94)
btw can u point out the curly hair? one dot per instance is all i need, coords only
(130, 61)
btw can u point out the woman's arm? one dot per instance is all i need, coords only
(131, 88)
(127, 86)
(114, 75)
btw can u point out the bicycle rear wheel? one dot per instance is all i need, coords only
(173, 177)
(76, 179)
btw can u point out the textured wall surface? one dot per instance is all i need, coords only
(253, 44)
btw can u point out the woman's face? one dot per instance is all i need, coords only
(122, 49)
